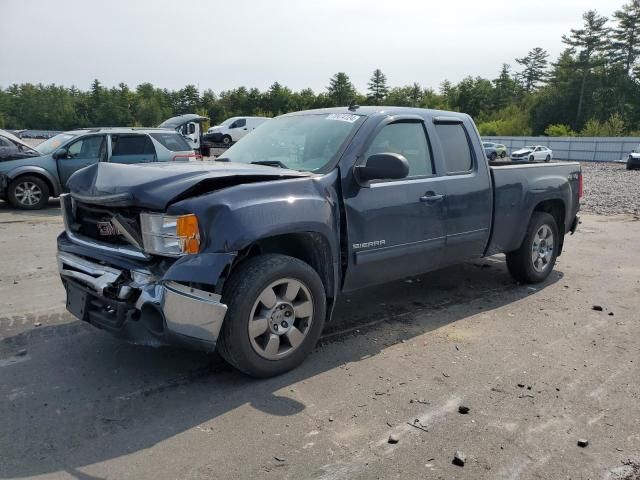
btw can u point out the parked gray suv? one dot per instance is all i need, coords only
(30, 175)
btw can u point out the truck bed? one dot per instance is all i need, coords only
(519, 188)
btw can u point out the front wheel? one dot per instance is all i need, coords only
(28, 193)
(226, 140)
(548, 159)
(531, 159)
(534, 260)
(276, 314)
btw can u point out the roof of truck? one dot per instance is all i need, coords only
(369, 111)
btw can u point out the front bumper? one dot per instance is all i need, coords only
(136, 305)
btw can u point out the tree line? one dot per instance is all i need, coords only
(591, 89)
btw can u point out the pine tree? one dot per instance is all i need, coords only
(591, 41)
(506, 89)
(377, 86)
(625, 36)
(535, 65)
(341, 91)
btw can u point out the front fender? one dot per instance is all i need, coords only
(25, 169)
(233, 219)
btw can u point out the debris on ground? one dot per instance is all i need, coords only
(597, 308)
(279, 459)
(583, 442)
(463, 409)
(393, 439)
(459, 458)
(21, 353)
(37, 324)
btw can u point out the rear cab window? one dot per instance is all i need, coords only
(128, 148)
(455, 147)
(173, 142)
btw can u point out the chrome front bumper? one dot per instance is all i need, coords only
(165, 309)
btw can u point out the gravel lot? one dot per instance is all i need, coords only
(609, 188)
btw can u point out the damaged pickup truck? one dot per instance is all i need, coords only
(249, 253)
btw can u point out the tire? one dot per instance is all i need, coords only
(244, 293)
(548, 159)
(521, 262)
(28, 192)
(226, 140)
(503, 154)
(531, 158)
(493, 156)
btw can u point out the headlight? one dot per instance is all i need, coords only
(170, 235)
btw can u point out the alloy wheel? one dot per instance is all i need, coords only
(280, 318)
(28, 193)
(542, 248)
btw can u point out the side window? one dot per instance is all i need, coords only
(241, 122)
(125, 145)
(455, 145)
(87, 148)
(409, 140)
(4, 143)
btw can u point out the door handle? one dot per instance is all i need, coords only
(431, 197)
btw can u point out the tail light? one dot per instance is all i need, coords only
(580, 186)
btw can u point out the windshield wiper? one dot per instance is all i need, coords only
(270, 163)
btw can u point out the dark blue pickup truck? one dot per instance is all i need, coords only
(249, 253)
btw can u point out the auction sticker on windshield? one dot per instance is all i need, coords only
(343, 117)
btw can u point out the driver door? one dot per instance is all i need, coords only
(538, 154)
(86, 151)
(396, 228)
(239, 129)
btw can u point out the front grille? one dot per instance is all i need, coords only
(98, 223)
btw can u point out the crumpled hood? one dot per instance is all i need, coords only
(522, 151)
(156, 185)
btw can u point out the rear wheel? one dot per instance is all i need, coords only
(28, 193)
(503, 154)
(534, 260)
(276, 314)
(531, 158)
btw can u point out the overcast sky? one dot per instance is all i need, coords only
(299, 43)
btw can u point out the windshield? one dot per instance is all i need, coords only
(300, 142)
(49, 146)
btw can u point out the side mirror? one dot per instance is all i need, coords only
(383, 166)
(61, 153)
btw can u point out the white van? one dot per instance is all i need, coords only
(233, 129)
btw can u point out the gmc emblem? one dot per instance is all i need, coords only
(107, 229)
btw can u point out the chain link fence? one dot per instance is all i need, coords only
(584, 149)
